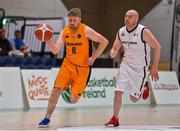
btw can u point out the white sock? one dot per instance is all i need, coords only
(48, 116)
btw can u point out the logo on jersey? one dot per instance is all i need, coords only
(129, 43)
(135, 34)
(74, 44)
(79, 36)
(122, 34)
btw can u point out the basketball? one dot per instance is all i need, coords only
(66, 95)
(43, 32)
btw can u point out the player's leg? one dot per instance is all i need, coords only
(80, 77)
(61, 84)
(144, 93)
(117, 103)
(53, 101)
(51, 106)
(134, 89)
(134, 99)
(144, 87)
(137, 80)
(74, 98)
(114, 121)
(121, 87)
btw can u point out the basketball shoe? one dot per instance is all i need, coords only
(44, 123)
(145, 93)
(113, 122)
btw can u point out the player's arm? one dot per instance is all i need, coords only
(56, 47)
(116, 46)
(103, 42)
(152, 41)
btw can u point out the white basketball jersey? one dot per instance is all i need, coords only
(136, 51)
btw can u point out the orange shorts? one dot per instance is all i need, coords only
(75, 76)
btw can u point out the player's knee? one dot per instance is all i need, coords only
(74, 99)
(134, 99)
(118, 93)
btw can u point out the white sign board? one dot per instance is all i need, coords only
(10, 88)
(38, 85)
(99, 90)
(166, 90)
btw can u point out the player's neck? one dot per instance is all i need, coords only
(131, 28)
(74, 30)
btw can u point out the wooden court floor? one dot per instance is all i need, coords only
(166, 115)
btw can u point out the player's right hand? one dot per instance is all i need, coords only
(113, 53)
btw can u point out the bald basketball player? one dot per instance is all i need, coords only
(136, 40)
(76, 66)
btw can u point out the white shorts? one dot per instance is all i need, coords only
(131, 80)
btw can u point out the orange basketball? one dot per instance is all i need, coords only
(43, 32)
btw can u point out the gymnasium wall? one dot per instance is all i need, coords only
(34, 8)
(160, 22)
(106, 17)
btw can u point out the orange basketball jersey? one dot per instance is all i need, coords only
(78, 48)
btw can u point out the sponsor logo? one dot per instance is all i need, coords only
(122, 34)
(103, 82)
(95, 89)
(79, 36)
(162, 86)
(94, 93)
(129, 43)
(38, 89)
(74, 44)
(135, 34)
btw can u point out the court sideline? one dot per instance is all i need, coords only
(93, 118)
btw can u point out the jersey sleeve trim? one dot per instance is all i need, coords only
(142, 35)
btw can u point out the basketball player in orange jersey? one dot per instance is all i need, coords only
(76, 66)
(136, 41)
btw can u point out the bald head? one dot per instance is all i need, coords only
(135, 13)
(131, 19)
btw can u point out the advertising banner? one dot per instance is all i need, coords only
(10, 88)
(98, 92)
(166, 90)
(38, 85)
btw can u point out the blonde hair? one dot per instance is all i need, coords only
(74, 12)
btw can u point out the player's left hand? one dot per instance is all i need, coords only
(154, 73)
(91, 61)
